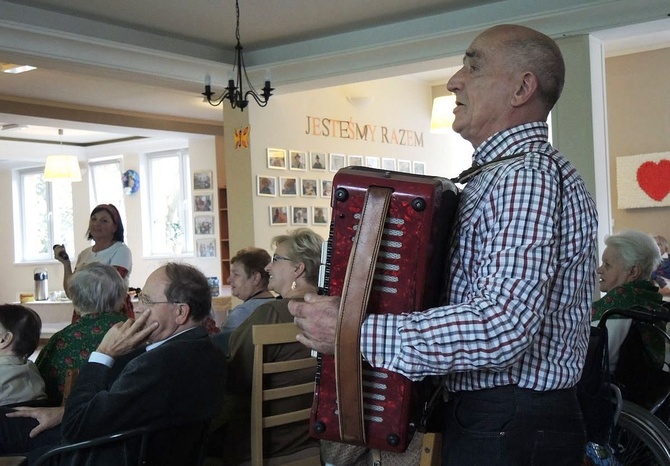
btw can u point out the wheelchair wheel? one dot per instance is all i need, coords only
(640, 438)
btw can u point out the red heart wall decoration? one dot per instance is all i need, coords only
(654, 179)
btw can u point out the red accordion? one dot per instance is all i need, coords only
(386, 254)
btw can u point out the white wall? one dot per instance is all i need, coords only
(18, 277)
(397, 104)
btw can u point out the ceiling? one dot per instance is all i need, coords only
(129, 68)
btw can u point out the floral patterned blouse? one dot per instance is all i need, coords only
(70, 349)
(640, 292)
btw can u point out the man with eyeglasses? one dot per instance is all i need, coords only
(160, 369)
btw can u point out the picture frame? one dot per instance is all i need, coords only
(278, 215)
(266, 185)
(276, 159)
(404, 166)
(388, 163)
(308, 187)
(326, 188)
(419, 168)
(288, 186)
(320, 216)
(318, 161)
(337, 161)
(372, 162)
(202, 203)
(299, 215)
(355, 160)
(203, 224)
(205, 247)
(298, 160)
(202, 180)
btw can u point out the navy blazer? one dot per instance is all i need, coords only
(180, 382)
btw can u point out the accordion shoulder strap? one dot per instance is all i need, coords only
(356, 292)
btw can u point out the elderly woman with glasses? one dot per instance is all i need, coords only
(98, 292)
(293, 270)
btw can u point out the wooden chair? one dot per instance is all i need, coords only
(431, 450)
(70, 378)
(273, 334)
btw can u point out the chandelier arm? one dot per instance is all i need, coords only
(235, 91)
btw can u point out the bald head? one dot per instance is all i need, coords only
(511, 75)
(529, 50)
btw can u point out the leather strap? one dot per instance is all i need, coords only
(356, 292)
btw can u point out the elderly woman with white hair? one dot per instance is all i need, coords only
(98, 293)
(628, 261)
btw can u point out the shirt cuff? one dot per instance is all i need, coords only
(101, 358)
(381, 340)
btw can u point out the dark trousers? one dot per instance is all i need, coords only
(14, 435)
(512, 426)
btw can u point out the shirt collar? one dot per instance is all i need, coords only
(509, 141)
(158, 343)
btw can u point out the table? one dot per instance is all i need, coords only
(55, 315)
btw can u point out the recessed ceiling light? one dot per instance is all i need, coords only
(11, 68)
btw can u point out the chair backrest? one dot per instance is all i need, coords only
(70, 378)
(274, 334)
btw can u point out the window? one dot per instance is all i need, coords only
(106, 185)
(45, 211)
(170, 213)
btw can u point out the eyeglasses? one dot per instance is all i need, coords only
(146, 302)
(276, 257)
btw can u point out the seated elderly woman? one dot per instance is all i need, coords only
(627, 263)
(99, 293)
(20, 381)
(249, 282)
(293, 270)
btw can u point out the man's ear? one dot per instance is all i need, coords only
(6, 340)
(182, 314)
(526, 89)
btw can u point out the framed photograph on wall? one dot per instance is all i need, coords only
(202, 203)
(202, 180)
(337, 161)
(277, 159)
(326, 188)
(298, 160)
(289, 186)
(320, 216)
(388, 163)
(372, 162)
(419, 168)
(405, 166)
(266, 185)
(317, 161)
(299, 215)
(278, 215)
(355, 160)
(206, 247)
(203, 224)
(308, 187)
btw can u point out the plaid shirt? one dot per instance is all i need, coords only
(522, 275)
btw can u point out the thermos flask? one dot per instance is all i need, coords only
(41, 284)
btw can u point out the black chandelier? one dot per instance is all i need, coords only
(235, 93)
